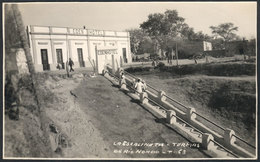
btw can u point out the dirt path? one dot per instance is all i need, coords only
(84, 140)
(121, 121)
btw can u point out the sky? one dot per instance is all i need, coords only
(120, 16)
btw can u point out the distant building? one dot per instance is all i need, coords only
(53, 45)
(207, 46)
(195, 46)
(188, 49)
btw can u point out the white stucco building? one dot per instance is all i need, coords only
(52, 45)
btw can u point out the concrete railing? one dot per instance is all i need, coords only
(188, 115)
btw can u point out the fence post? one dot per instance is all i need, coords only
(229, 139)
(122, 84)
(170, 118)
(119, 71)
(190, 113)
(161, 96)
(207, 144)
(104, 72)
(143, 98)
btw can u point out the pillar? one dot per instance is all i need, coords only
(171, 117)
(119, 71)
(161, 96)
(113, 64)
(207, 144)
(143, 98)
(189, 113)
(122, 85)
(229, 139)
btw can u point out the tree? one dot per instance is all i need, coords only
(252, 47)
(164, 27)
(136, 37)
(17, 18)
(225, 31)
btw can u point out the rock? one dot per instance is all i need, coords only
(14, 112)
(53, 128)
(58, 150)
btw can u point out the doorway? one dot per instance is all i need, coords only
(60, 58)
(80, 56)
(45, 61)
(124, 55)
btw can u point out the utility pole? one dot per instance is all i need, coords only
(67, 62)
(176, 54)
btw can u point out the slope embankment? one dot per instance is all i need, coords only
(227, 96)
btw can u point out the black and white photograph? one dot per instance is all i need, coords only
(130, 80)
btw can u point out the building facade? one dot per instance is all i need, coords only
(51, 46)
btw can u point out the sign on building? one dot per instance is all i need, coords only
(105, 56)
(207, 46)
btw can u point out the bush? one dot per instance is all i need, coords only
(161, 65)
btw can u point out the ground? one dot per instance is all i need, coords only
(201, 92)
(89, 117)
(96, 116)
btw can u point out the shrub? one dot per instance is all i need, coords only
(161, 65)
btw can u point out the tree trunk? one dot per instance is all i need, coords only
(23, 37)
(36, 91)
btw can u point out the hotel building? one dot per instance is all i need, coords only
(51, 46)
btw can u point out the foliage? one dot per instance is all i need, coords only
(164, 27)
(136, 37)
(168, 28)
(225, 31)
(251, 47)
(161, 65)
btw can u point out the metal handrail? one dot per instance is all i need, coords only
(113, 75)
(175, 101)
(243, 141)
(132, 88)
(209, 121)
(146, 83)
(152, 88)
(224, 148)
(175, 116)
(131, 75)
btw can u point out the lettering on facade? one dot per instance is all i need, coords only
(96, 32)
(78, 31)
(107, 52)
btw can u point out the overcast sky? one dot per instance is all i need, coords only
(125, 15)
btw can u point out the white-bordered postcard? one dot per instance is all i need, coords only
(130, 80)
